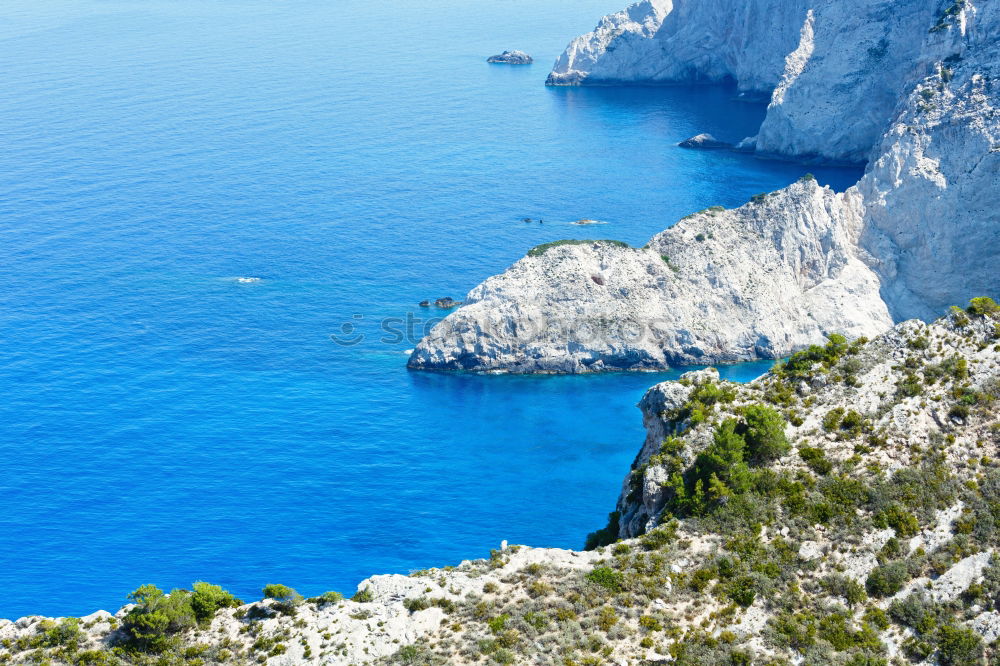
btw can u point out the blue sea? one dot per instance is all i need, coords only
(162, 421)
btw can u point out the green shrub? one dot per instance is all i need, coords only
(902, 521)
(650, 623)
(418, 604)
(982, 306)
(156, 617)
(280, 592)
(852, 423)
(95, 658)
(801, 364)
(64, 633)
(330, 597)
(877, 617)
(607, 618)
(887, 579)
(841, 586)
(661, 536)
(608, 578)
(815, 458)
(763, 429)
(539, 250)
(363, 596)
(959, 647)
(207, 599)
(833, 419)
(742, 591)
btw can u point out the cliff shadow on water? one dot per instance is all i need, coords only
(658, 114)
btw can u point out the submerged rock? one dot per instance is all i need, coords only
(747, 145)
(704, 142)
(447, 303)
(511, 58)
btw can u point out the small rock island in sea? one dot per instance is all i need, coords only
(704, 142)
(511, 58)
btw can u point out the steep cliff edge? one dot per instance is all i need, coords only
(932, 194)
(843, 509)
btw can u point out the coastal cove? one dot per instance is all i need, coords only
(166, 422)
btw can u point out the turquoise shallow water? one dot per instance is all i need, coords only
(163, 422)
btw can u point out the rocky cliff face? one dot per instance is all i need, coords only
(840, 86)
(843, 509)
(909, 385)
(835, 72)
(723, 285)
(918, 232)
(931, 194)
(659, 41)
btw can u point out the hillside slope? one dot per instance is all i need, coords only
(843, 509)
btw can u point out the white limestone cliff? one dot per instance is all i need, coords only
(664, 41)
(834, 71)
(932, 194)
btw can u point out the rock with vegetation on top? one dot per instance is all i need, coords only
(760, 281)
(920, 230)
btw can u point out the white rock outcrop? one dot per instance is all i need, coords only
(723, 286)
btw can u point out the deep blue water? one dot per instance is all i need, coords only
(162, 422)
